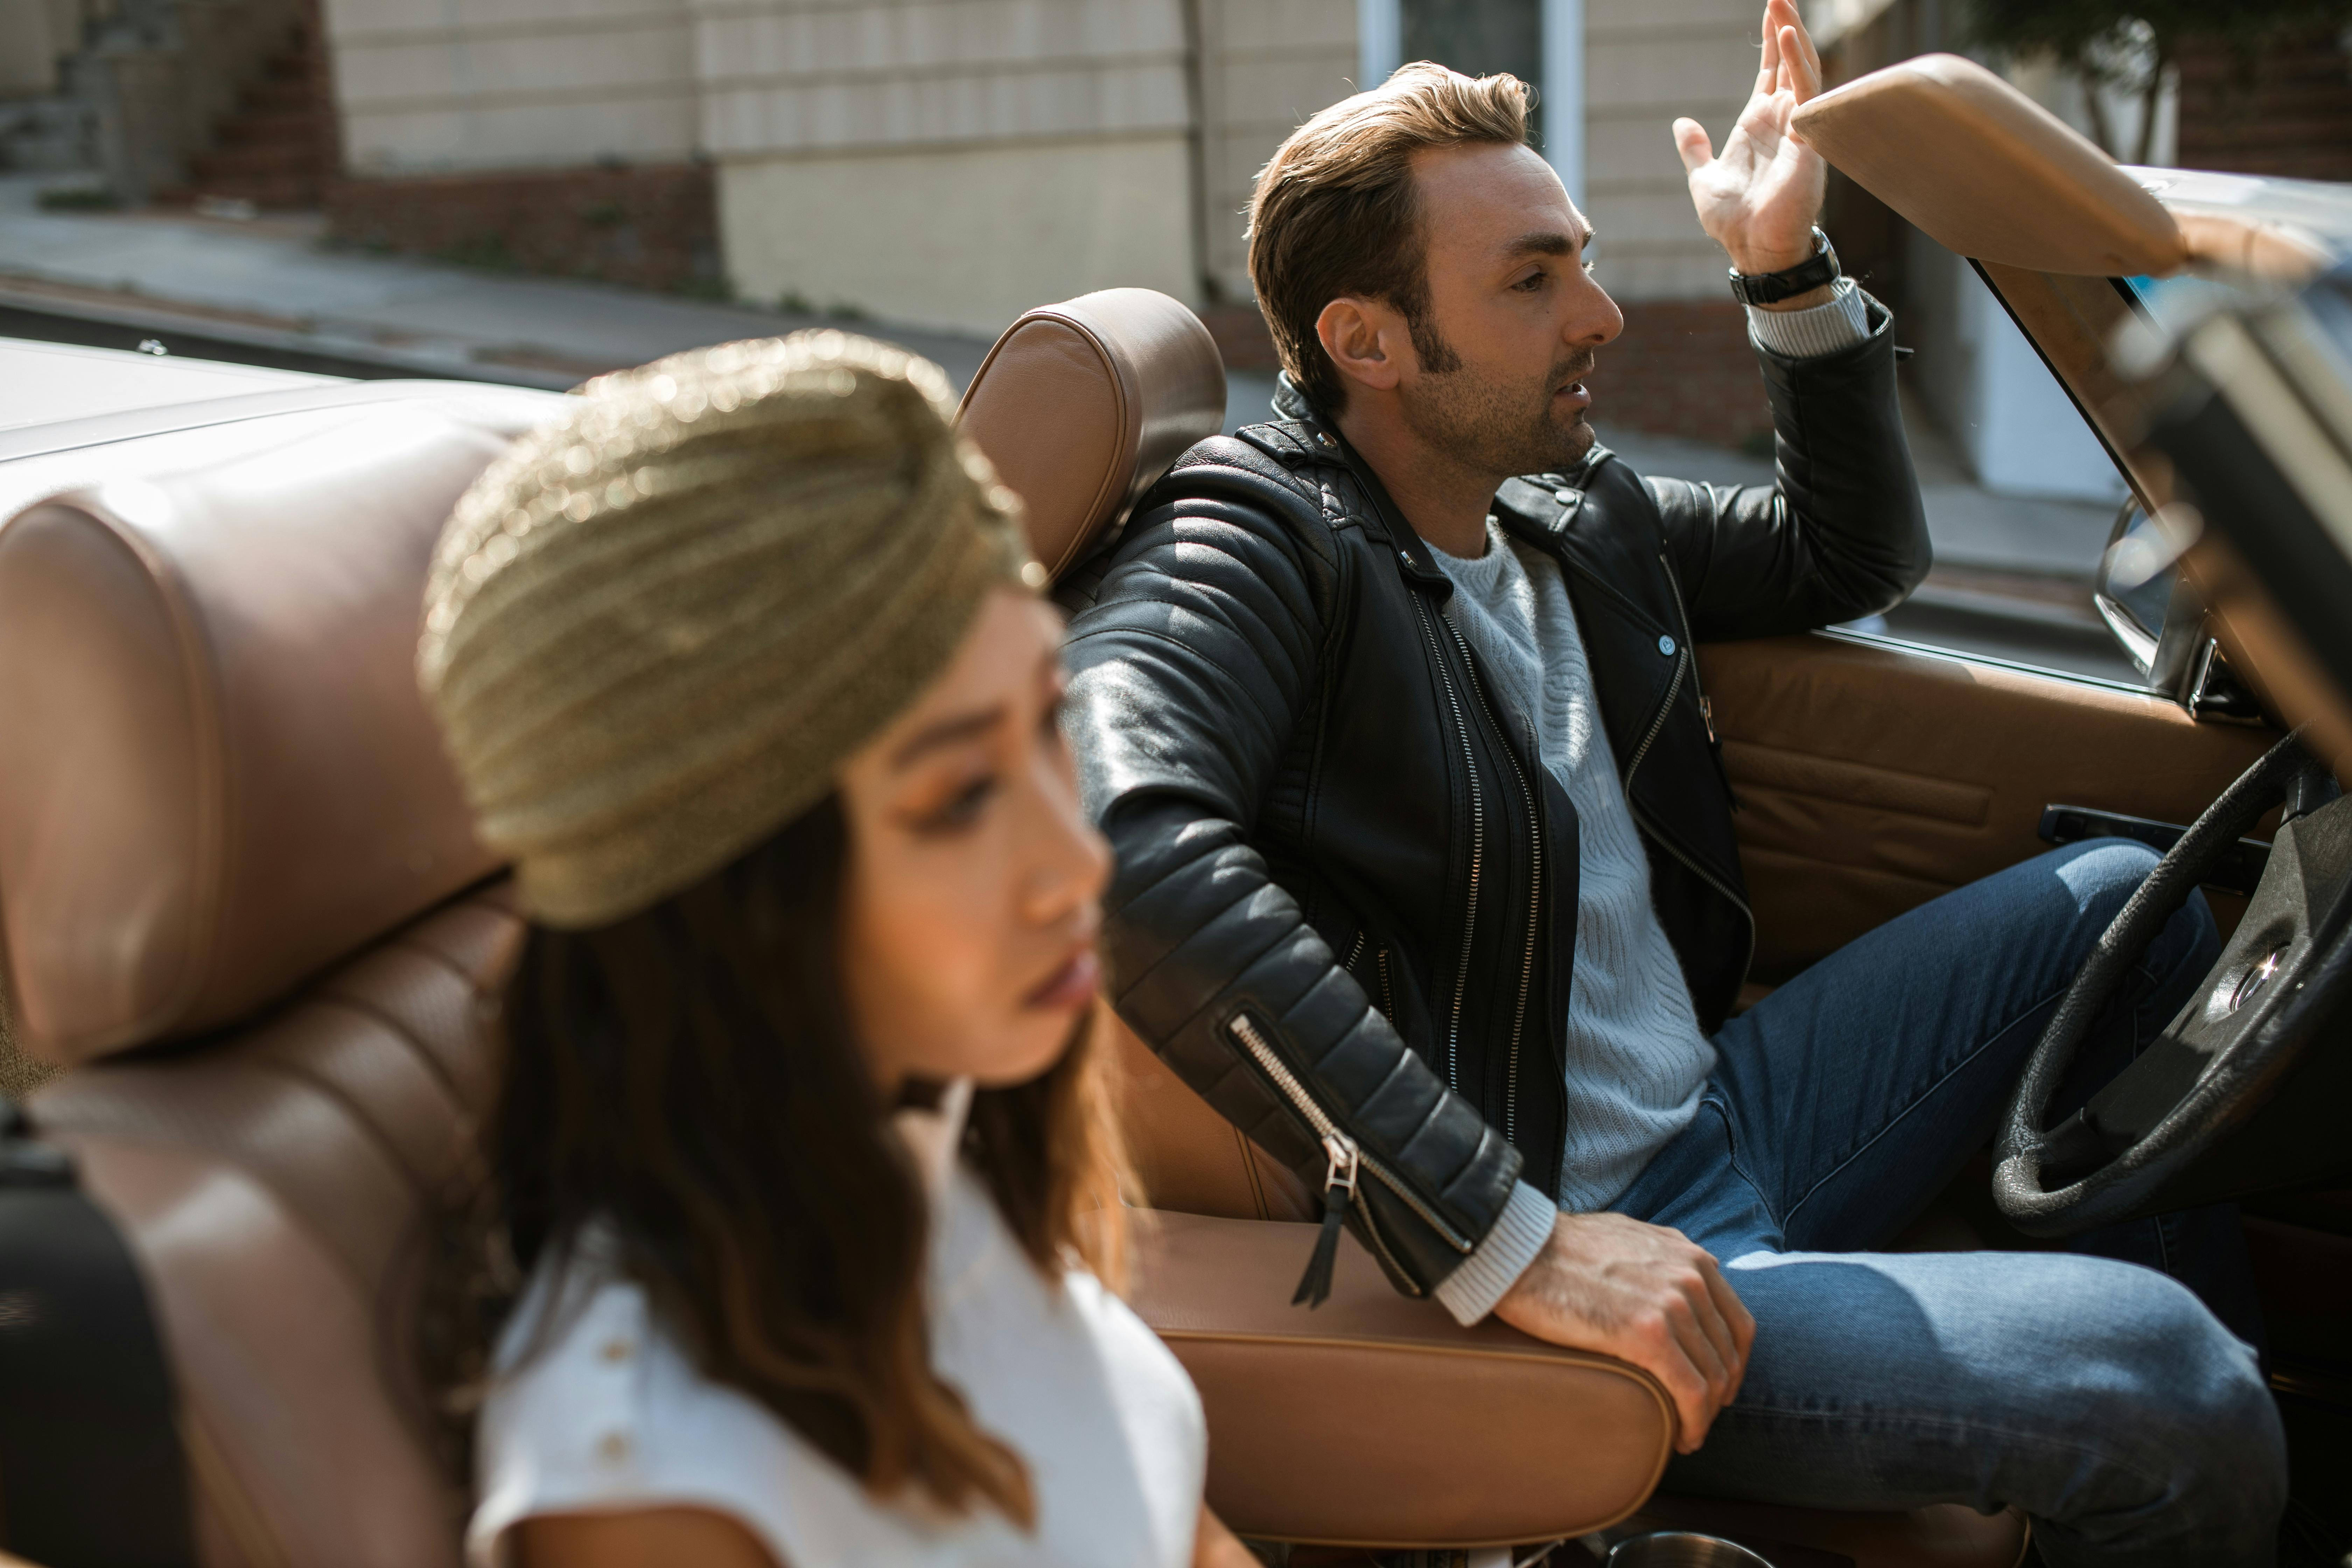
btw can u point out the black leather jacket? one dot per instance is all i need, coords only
(1345, 895)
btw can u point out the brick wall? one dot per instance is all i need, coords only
(654, 226)
(2289, 114)
(1683, 368)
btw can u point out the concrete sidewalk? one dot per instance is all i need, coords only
(270, 275)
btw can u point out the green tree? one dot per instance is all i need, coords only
(2129, 46)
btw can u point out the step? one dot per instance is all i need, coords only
(276, 194)
(255, 163)
(278, 94)
(2309, 98)
(2307, 134)
(284, 126)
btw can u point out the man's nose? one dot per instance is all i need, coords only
(1596, 320)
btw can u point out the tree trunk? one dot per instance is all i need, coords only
(2151, 96)
(2101, 131)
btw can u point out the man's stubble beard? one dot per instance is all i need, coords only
(1498, 427)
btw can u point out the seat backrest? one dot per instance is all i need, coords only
(218, 786)
(1082, 406)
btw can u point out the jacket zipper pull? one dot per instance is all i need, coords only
(1339, 1192)
(1706, 716)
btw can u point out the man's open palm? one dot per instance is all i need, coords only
(1759, 196)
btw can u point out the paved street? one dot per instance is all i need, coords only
(2008, 569)
(270, 275)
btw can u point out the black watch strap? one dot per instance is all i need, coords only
(1770, 287)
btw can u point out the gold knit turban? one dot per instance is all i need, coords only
(655, 628)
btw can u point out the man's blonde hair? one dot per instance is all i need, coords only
(1335, 215)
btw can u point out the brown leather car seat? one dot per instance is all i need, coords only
(218, 786)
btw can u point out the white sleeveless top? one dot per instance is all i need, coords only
(611, 1415)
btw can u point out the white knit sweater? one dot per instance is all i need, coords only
(1636, 1059)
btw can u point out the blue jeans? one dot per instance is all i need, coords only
(2099, 1395)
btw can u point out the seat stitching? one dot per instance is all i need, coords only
(351, 1106)
(415, 1041)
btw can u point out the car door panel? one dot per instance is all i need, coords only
(1871, 776)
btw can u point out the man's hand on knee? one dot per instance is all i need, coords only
(1644, 1294)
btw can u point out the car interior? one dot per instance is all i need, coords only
(252, 940)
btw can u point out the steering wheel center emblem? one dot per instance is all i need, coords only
(2257, 977)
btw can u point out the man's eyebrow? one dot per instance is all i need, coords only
(1547, 242)
(946, 732)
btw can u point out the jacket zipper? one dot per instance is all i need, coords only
(1345, 1158)
(1477, 849)
(1681, 665)
(1642, 821)
(1682, 614)
(1535, 899)
(1386, 1001)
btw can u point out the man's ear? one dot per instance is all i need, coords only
(1367, 340)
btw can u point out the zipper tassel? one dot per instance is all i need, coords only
(1338, 1192)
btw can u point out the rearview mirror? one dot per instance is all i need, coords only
(2138, 578)
(2158, 619)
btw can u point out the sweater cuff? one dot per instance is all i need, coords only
(1840, 324)
(1479, 1281)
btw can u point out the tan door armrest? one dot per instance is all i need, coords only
(1375, 1420)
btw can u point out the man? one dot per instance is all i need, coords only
(1427, 876)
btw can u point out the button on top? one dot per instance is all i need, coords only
(1565, 497)
(1666, 646)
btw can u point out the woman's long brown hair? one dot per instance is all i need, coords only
(687, 1080)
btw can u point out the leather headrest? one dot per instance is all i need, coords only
(1986, 172)
(1081, 405)
(216, 775)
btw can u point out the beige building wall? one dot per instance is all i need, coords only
(963, 238)
(455, 85)
(1267, 64)
(1646, 62)
(949, 163)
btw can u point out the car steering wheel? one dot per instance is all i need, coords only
(2130, 1151)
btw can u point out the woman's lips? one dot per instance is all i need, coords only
(1070, 987)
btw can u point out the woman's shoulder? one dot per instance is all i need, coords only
(597, 1407)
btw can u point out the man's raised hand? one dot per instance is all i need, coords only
(1644, 1294)
(1760, 197)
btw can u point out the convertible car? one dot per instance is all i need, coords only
(248, 935)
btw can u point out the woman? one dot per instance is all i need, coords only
(803, 1146)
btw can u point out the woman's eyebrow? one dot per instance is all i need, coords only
(946, 732)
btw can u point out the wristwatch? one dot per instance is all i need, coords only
(1771, 287)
